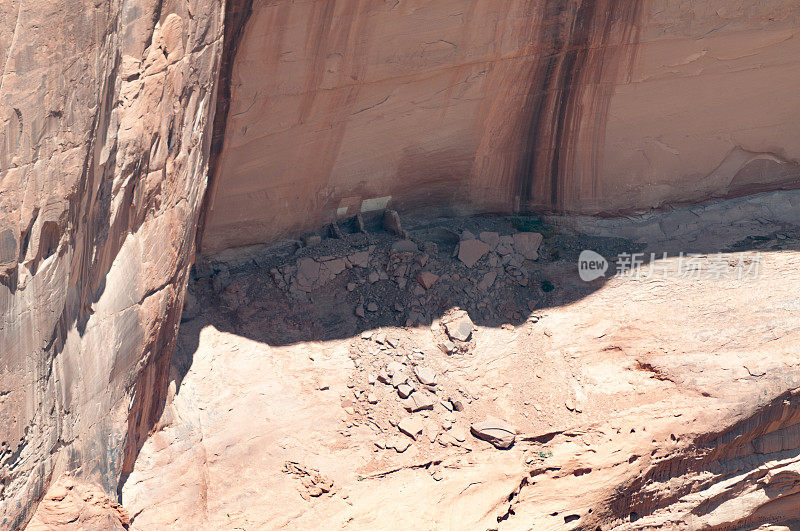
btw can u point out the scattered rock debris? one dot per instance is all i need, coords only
(442, 278)
(314, 484)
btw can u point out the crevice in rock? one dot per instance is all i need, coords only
(237, 13)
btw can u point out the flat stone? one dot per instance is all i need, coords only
(360, 227)
(447, 346)
(394, 367)
(404, 390)
(458, 434)
(391, 222)
(373, 277)
(411, 426)
(425, 375)
(495, 431)
(470, 251)
(335, 266)
(399, 379)
(404, 246)
(427, 279)
(467, 235)
(359, 311)
(307, 271)
(527, 244)
(372, 307)
(490, 238)
(359, 259)
(487, 281)
(420, 401)
(446, 439)
(399, 444)
(372, 399)
(460, 329)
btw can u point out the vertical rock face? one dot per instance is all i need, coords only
(601, 107)
(104, 136)
(110, 116)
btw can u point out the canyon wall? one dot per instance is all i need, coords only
(110, 121)
(457, 106)
(104, 141)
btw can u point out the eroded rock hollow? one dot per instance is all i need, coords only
(603, 107)
(138, 137)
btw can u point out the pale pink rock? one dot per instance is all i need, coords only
(427, 279)
(527, 244)
(470, 251)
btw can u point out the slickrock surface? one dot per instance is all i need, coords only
(663, 399)
(602, 106)
(114, 116)
(70, 505)
(104, 133)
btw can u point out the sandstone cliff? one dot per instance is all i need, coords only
(114, 115)
(472, 105)
(104, 140)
